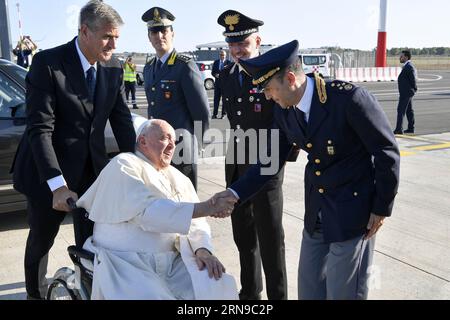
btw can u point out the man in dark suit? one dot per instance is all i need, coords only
(407, 88)
(175, 91)
(218, 66)
(351, 177)
(72, 91)
(257, 224)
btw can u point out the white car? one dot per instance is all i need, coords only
(205, 68)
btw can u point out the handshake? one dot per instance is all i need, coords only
(219, 205)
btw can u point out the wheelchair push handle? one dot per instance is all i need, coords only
(71, 203)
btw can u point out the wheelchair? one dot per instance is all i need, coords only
(75, 284)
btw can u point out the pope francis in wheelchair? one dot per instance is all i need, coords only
(151, 239)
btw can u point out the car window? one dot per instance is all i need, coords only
(314, 60)
(20, 72)
(12, 98)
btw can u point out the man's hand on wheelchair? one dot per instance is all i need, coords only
(60, 197)
(204, 258)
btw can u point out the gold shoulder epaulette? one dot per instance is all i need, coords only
(182, 58)
(320, 86)
(149, 62)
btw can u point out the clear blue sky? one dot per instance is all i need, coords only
(346, 23)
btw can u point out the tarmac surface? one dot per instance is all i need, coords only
(412, 253)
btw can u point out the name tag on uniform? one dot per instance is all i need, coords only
(258, 107)
(330, 150)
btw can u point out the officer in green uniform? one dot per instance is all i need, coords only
(175, 91)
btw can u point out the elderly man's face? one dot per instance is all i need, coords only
(158, 145)
(245, 49)
(99, 44)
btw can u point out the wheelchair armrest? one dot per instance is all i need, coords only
(77, 253)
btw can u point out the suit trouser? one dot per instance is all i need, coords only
(189, 170)
(217, 96)
(259, 236)
(337, 271)
(131, 87)
(44, 225)
(405, 107)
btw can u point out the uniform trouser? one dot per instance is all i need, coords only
(337, 271)
(44, 225)
(189, 170)
(259, 236)
(131, 87)
(405, 107)
(217, 96)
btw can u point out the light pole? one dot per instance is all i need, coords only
(381, 46)
(5, 34)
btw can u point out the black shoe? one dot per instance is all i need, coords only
(223, 116)
(409, 131)
(243, 296)
(33, 298)
(214, 117)
(398, 131)
(135, 108)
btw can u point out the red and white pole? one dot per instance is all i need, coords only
(381, 45)
(20, 22)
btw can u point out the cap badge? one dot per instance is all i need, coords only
(231, 21)
(156, 16)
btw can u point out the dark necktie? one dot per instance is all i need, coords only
(301, 118)
(157, 67)
(241, 77)
(90, 81)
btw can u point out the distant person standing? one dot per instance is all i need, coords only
(129, 78)
(175, 91)
(407, 88)
(24, 49)
(218, 66)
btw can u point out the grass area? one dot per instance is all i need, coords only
(424, 62)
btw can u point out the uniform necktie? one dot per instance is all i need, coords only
(157, 67)
(90, 81)
(220, 65)
(240, 77)
(301, 118)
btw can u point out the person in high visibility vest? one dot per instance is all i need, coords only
(129, 77)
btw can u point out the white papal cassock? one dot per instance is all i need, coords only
(144, 236)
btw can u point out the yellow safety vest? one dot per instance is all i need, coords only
(129, 75)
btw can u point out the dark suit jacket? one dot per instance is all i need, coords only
(65, 132)
(215, 69)
(341, 180)
(407, 80)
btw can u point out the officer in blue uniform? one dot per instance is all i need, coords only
(351, 177)
(175, 91)
(257, 224)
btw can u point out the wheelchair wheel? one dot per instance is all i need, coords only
(59, 289)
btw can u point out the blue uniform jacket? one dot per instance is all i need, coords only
(353, 160)
(177, 95)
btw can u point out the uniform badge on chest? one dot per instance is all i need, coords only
(330, 148)
(258, 107)
(167, 95)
